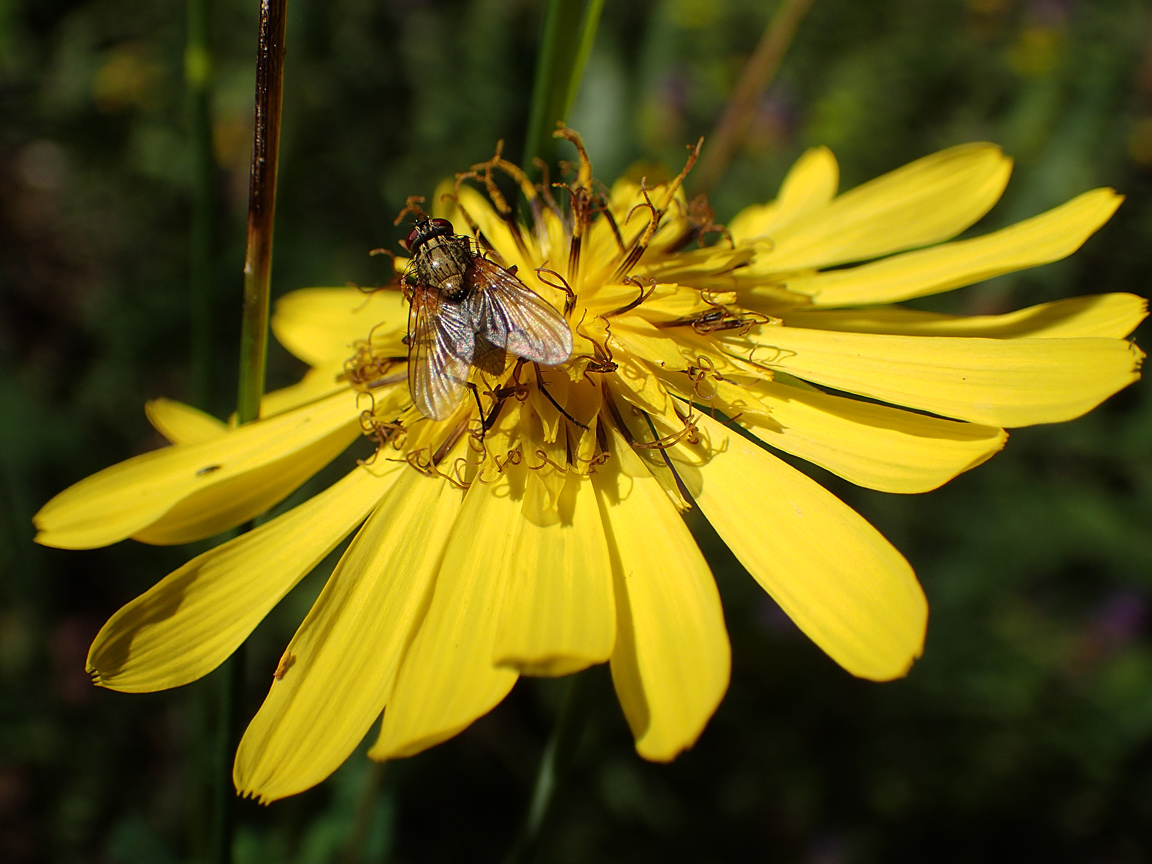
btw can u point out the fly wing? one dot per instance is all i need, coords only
(510, 314)
(440, 346)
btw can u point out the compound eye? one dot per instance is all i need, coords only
(413, 236)
(442, 226)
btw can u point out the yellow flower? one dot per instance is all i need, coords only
(537, 529)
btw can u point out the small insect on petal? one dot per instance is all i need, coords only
(287, 661)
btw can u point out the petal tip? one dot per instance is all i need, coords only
(254, 795)
(661, 756)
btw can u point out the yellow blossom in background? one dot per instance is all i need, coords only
(538, 530)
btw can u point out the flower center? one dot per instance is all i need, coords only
(614, 266)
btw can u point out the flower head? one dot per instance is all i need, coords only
(535, 529)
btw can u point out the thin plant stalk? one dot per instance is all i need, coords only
(555, 765)
(365, 811)
(758, 74)
(198, 81)
(230, 683)
(568, 31)
(253, 348)
(201, 266)
(261, 208)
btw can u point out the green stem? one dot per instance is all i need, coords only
(757, 75)
(566, 39)
(261, 208)
(365, 811)
(253, 348)
(198, 80)
(230, 681)
(555, 765)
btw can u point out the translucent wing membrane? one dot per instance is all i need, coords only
(511, 315)
(440, 349)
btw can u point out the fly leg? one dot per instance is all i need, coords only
(485, 425)
(550, 398)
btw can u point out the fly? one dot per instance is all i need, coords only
(467, 311)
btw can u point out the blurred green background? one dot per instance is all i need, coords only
(1024, 733)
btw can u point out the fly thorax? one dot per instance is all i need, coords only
(444, 261)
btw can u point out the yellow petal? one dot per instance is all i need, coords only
(558, 614)
(450, 198)
(709, 267)
(317, 383)
(833, 574)
(634, 382)
(491, 225)
(552, 391)
(447, 678)
(663, 305)
(927, 201)
(672, 660)
(870, 445)
(1039, 240)
(183, 424)
(320, 325)
(339, 668)
(188, 492)
(641, 339)
(707, 387)
(192, 620)
(635, 425)
(1107, 315)
(996, 382)
(810, 185)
